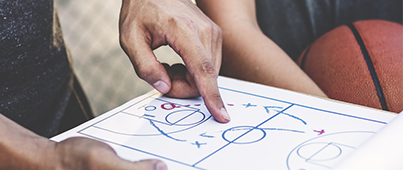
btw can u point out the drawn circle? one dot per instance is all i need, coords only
(150, 108)
(338, 144)
(319, 151)
(168, 106)
(185, 117)
(243, 135)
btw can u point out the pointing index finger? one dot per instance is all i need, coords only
(209, 91)
(205, 74)
(196, 42)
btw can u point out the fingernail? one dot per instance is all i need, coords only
(224, 114)
(161, 87)
(160, 166)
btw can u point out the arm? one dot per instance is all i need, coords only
(248, 54)
(22, 149)
(147, 24)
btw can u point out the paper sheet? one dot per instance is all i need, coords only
(384, 150)
(270, 128)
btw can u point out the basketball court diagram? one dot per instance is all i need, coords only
(263, 132)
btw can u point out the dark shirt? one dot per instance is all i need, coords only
(294, 24)
(34, 67)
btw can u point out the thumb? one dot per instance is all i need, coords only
(137, 46)
(149, 164)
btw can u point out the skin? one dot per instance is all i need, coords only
(147, 25)
(22, 149)
(144, 26)
(248, 54)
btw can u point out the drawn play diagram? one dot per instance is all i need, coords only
(325, 150)
(264, 132)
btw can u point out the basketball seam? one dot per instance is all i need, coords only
(370, 66)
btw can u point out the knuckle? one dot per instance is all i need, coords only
(144, 71)
(171, 21)
(183, 23)
(190, 25)
(216, 96)
(92, 153)
(208, 69)
(207, 27)
(212, 97)
(123, 39)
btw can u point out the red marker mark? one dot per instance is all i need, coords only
(197, 104)
(319, 132)
(168, 106)
(187, 105)
(230, 104)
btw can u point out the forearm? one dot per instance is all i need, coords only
(22, 149)
(248, 54)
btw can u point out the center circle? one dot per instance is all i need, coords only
(319, 151)
(185, 117)
(243, 135)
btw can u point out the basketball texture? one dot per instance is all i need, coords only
(360, 63)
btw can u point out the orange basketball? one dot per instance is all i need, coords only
(360, 63)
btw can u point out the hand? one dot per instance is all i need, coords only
(23, 149)
(83, 153)
(148, 24)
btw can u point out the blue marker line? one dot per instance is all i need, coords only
(184, 117)
(163, 133)
(249, 105)
(198, 144)
(256, 127)
(295, 117)
(272, 107)
(335, 143)
(118, 112)
(149, 115)
(146, 118)
(274, 115)
(304, 106)
(142, 151)
(279, 129)
(320, 150)
(207, 136)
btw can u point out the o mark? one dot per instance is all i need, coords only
(168, 106)
(150, 108)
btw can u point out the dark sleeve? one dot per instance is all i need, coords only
(34, 67)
